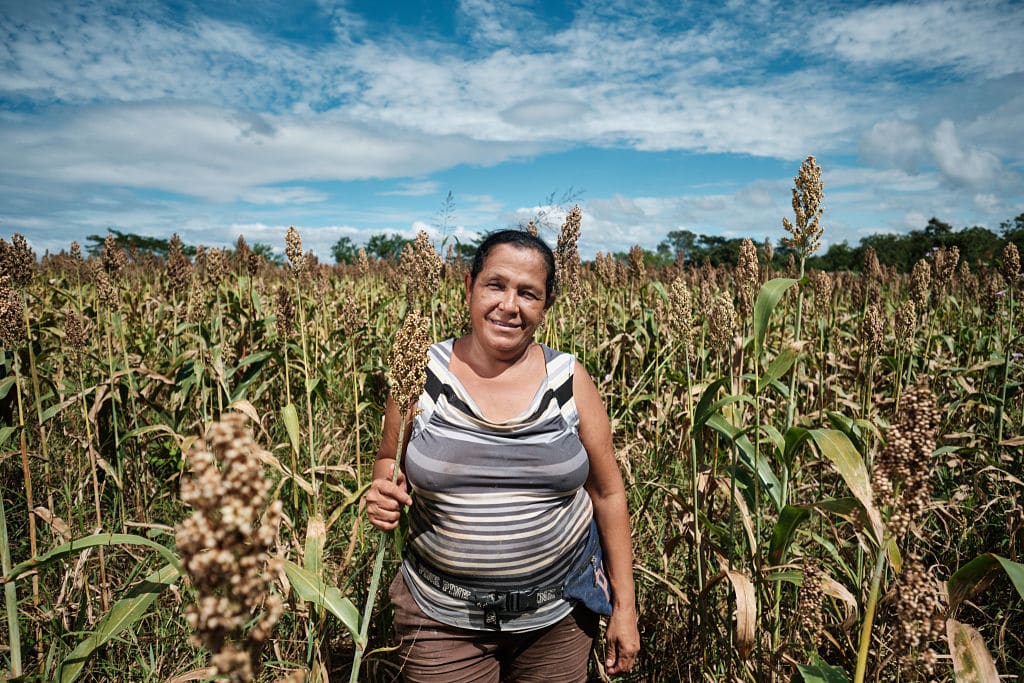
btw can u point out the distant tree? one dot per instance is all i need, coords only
(680, 241)
(132, 242)
(267, 252)
(1013, 231)
(839, 256)
(976, 244)
(467, 250)
(383, 245)
(893, 250)
(937, 230)
(344, 250)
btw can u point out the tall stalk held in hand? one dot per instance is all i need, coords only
(408, 364)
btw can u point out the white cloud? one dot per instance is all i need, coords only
(895, 143)
(971, 167)
(975, 37)
(283, 195)
(419, 188)
(496, 23)
(206, 152)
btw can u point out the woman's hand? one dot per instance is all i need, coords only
(385, 498)
(622, 641)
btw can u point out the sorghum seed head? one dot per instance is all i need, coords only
(216, 266)
(17, 260)
(901, 474)
(823, 286)
(115, 259)
(285, 311)
(946, 259)
(747, 271)
(226, 548)
(721, 322)
(408, 361)
(906, 318)
(872, 268)
(178, 266)
(680, 311)
(1011, 264)
(293, 250)
(76, 330)
(811, 618)
(420, 267)
(807, 210)
(920, 612)
(873, 329)
(993, 291)
(567, 258)
(362, 263)
(105, 290)
(12, 324)
(636, 262)
(920, 280)
(531, 228)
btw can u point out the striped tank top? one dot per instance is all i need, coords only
(497, 506)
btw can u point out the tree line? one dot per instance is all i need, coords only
(977, 244)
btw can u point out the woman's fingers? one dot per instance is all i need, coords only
(622, 644)
(384, 502)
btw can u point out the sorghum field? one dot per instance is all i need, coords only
(824, 469)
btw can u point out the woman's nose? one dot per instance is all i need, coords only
(510, 302)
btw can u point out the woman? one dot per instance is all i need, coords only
(510, 461)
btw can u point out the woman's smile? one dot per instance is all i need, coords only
(507, 300)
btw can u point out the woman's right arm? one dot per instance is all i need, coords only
(385, 498)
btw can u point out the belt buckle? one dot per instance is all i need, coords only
(521, 601)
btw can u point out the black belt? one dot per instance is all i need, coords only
(493, 603)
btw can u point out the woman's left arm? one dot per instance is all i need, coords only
(609, 497)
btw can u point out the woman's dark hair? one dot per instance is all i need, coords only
(520, 239)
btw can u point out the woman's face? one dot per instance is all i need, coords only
(507, 299)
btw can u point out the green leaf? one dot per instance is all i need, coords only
(895, 557)
(767, 299)
(311, 589)
(291, 422)
(258, 357)
(5, 385)
(837, 447)
(703, 409)
(80, 544)
(782, 535)
(125, 612)
(776, 438)
(779, 366)
(769, 481)
(978, 573)
(820, 672)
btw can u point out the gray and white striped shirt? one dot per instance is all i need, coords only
(496, 505)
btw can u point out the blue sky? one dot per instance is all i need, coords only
(345, 118)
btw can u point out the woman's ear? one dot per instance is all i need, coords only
(469, 287)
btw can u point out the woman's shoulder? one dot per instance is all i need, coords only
(552, 355)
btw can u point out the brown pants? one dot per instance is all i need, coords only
(433, 652)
